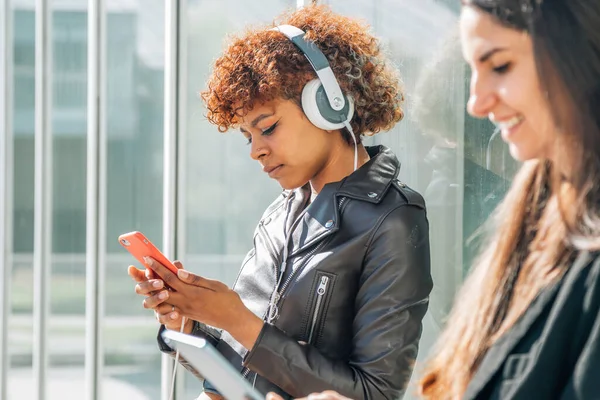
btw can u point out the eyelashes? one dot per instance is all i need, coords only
(502, 68)
(267, 132)
(270, 129)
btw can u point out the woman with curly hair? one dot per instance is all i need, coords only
(333, 292)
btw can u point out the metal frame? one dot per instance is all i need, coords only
(96, 207)
(459, 96)
(181, 153)
(170, 164)
(181, 127)
(6, 186)
(43, 193)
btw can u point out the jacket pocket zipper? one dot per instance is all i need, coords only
(321, 292)
(246, 370)
(308, 257)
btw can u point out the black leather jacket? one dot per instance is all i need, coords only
(349, 315)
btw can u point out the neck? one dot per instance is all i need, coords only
(339, 166)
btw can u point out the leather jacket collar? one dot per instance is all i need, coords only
(369, 183)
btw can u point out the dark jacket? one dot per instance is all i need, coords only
(553, 351)
(349, 317)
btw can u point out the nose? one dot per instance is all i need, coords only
(258, 148)
(482, 97)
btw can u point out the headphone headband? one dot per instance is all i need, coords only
(319, 63)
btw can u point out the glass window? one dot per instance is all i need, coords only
(459, 164)
(66, 336)
(20, 328)
(134, 189)
(66, 322)
(135, 78)
(223, 190)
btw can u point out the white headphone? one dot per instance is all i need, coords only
(323, 102)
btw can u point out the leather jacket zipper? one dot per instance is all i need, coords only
(321, 292)
(280, 292)
(307, 258)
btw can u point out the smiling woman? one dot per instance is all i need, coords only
(530, 309)
(333, 292)
(503, 70)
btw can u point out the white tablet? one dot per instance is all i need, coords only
(212, 366)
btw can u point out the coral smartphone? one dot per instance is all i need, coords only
(139, 246)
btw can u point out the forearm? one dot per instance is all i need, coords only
(301, 369)
(246, 328)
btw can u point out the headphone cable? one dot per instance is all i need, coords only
(176, 362)
(349, 127)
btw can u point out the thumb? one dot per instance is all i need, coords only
(149, 274)
(273, 396)
(136, 274)
(196, 280)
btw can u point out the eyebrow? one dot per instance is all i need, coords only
(256, 120)
(486, 56)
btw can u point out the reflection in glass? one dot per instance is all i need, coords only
(457, 163)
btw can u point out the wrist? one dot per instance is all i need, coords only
(247, 329)
(188, 327)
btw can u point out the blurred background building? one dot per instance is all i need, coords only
(218, 192)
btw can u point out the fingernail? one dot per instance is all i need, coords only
(163, 295)
(183, 273)
(173, 315)
(148, 260)
(157, 284)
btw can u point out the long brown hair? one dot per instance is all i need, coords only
(545, 218)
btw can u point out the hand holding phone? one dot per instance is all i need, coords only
(139, 246)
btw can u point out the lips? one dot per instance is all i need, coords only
(507, 125)
(510, 122)
(272, 169)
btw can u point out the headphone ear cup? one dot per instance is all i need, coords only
(318, 111)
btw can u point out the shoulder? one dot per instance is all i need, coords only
(401, 212)
(592, 281)
(408, 194)
(585, 270)
(580, 285)
(276, 205)
(400, 200)
(405, 222)
(402, 220)
(399, 241)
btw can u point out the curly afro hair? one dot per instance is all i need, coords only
(261, 65)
